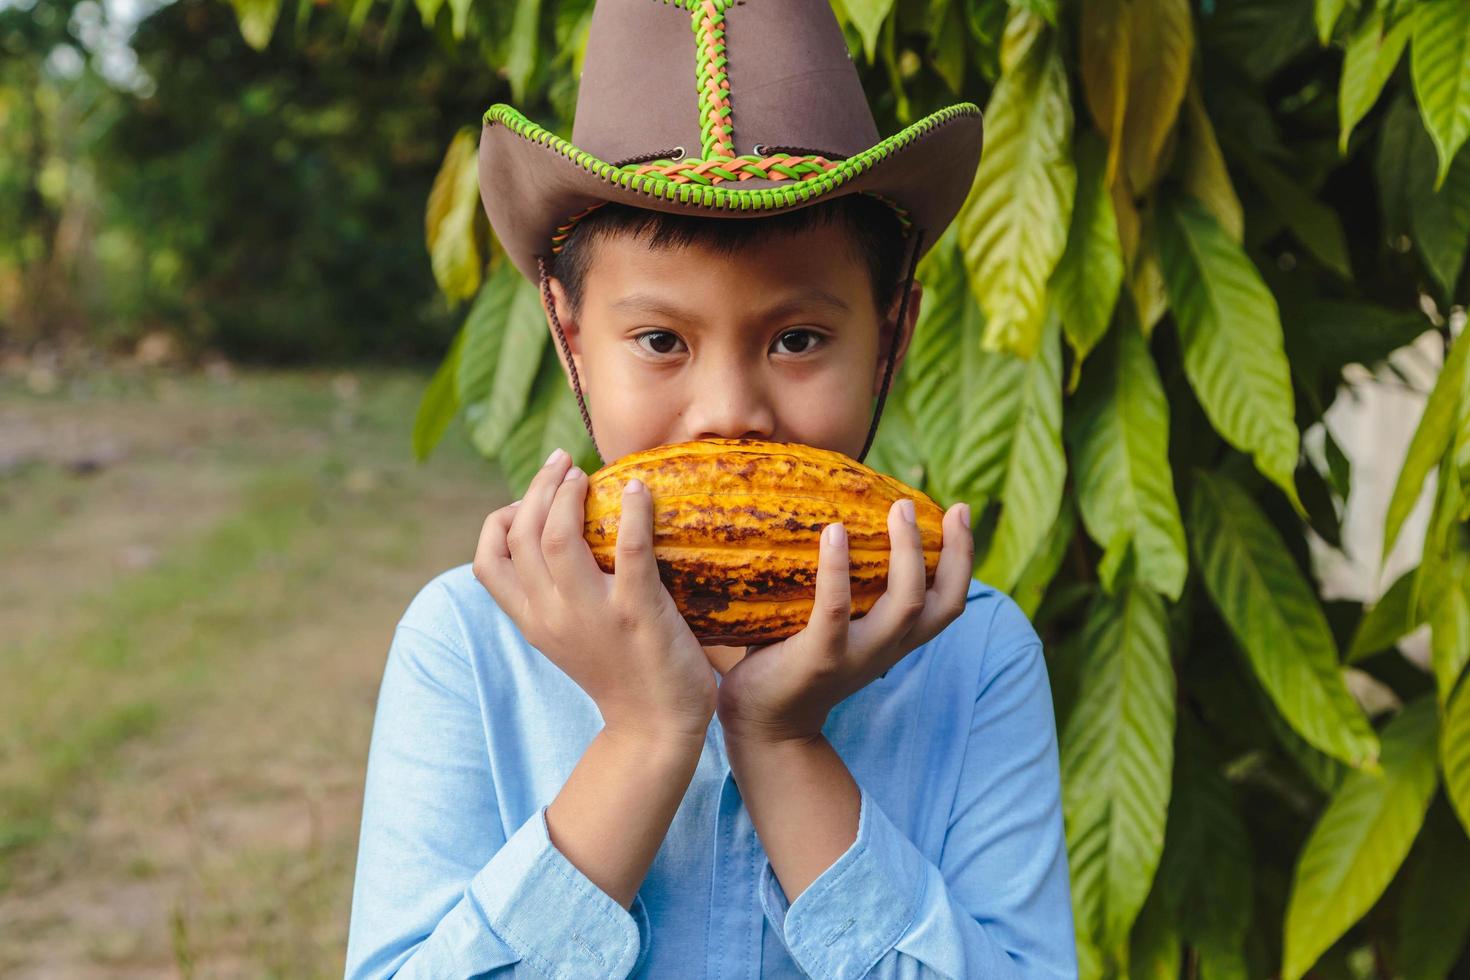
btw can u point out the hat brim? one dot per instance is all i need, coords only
(533, 182)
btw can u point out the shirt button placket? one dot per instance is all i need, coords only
(736, 918)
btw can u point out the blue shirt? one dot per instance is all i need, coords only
(959, 868)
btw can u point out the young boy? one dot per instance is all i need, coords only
(562, 780)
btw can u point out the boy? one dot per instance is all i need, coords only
(562, 780)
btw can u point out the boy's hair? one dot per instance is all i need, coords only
(873, 231)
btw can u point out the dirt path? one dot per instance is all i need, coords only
(214, 832)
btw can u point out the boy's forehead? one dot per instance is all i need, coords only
(818, 263)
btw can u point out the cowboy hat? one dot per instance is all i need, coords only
(756, 110)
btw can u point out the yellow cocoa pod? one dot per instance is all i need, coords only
(737, 526)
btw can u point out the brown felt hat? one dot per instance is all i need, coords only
(724, 108)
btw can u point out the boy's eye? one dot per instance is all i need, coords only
(807, 339)
(663, 341)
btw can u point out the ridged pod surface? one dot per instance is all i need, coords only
(736, 529)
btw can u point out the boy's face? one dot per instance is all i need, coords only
(778, 342)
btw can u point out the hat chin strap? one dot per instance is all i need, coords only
(903, 305)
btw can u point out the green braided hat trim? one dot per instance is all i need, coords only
(811, 176)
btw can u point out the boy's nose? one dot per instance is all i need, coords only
(730, 410)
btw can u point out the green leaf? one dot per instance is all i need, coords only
(941, 405)
(1447, 601)
(1403, 164)
(524, 46)
(1363, 836)
(1013, 226)
(1392, 617)
(438, 402)
(1035, 467)
(1212, 879)
(1116, 759)
(1312, 223)
(1231, 334)
(451, 221)
(1440, 222)
(1045, 9)
(484, 331)
(1031, 587)
(1454, 748)
(896, 448)
(1155, 951)
(868, 17)
(1431, 441)
(1088, 277)
(1161, 49)
(1275, 616)
(1327, 13)
(1204, 174)
(1434, 915)
(493, 417)
(1120, 444)
(1370, 59)
(257, 20)
(552, 420)
(1105, 32)
(1442, 74)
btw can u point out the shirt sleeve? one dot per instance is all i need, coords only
(440, 890)
(998, 903)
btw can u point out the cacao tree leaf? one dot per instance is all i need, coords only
(1361, 839)
(1013, 227)
(428, 10)
(940, 401)
(1328, 11)
(438, 403)
(1446, 601)
(484, 331)
(1454, 749)
(1434, 914)
(1372, 54)
(493, 417)
(1031, 587)
(1323, 336)
(1116, 760)
(1155, 951)
(1045, 9)
(1212, 879)
(1431, 440)
(1089, 275)
(1035, 466)
(552, 420)
(1259, 37)
(868, 16)
(1205, 176)
(1392, 617)
(1441, 74)
(1105, 32)
(1119, 436)
(1276, 618)
(896, 448)
(1440, 223)
(947, 47)
(1312, 223)
(450, 223)
(1403, 164)
(1231, 334)
(1161, 49)
(257, 20)
(524, 47)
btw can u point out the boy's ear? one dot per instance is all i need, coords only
(569, 327)
(885, 333)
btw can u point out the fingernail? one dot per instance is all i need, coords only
(836, 534)
(557, 455)
(907, 507)
(965, 514)
(634, 485)
(569, 474)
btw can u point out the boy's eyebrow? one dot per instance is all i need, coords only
(802, 299)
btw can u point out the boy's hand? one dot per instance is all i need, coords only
(783, 691)
(619, 637)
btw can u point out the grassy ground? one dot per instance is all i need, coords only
(199, 578)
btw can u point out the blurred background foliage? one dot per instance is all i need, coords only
(1197, 228)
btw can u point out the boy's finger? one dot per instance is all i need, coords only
(563, 544)
(832, 607)
(635, 567)
(952, 577)
(902, 603)
(492, 565)
(530, 521)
